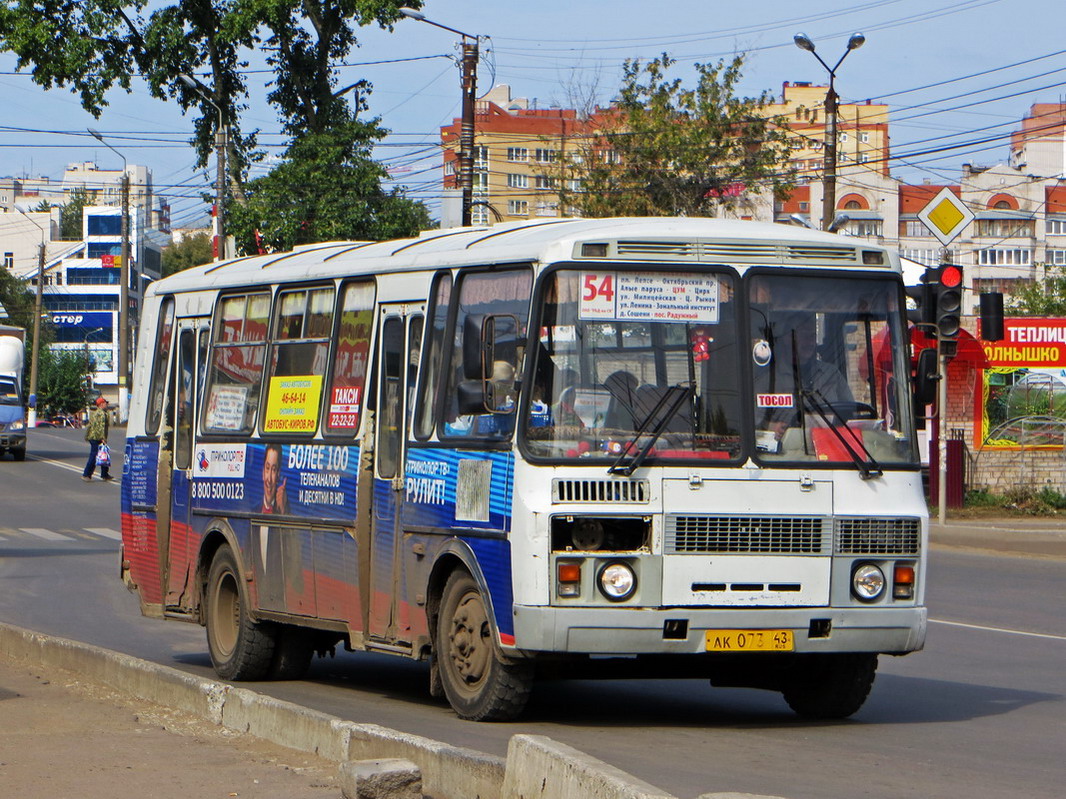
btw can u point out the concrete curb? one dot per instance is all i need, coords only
(536, 766)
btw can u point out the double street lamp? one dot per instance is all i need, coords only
(829, 169)
(468, 70)
(124, 289)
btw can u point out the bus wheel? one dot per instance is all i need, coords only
(241, 649)
(830, 686)
(479, 683)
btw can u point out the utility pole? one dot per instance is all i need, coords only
(31, 416)
(466, 132)
(468, 72)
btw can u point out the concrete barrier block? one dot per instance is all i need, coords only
(540, 768)
(448, 772)
(284, 723)
(387, 778)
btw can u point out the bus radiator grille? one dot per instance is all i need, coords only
(609, 491)
(742, 535)
(864, 535)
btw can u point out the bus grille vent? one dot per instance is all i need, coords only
(741, 252)
(864, 535)
(786, 535)
(822, 254)
(672, 250)
(631, 491)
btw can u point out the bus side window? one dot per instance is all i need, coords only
(303, 323)
(483, 293)
(234, 377)
(435, 360)
(346, 395)
(156, 392)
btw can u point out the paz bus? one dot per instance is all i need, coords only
(580, 448)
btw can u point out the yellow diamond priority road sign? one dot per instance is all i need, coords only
(946, 216)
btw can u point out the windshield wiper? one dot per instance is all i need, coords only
(672, 401)
(867, 467)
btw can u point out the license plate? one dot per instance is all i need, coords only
(749, 641)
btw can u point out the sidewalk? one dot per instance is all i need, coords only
(1008, 535)
(61, 738)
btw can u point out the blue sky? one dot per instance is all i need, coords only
(952, 71)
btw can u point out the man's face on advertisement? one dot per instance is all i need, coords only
(271, 472)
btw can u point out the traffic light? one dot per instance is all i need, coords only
(948, 306)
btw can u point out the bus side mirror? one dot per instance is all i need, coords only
(925, 377)
(473, 363)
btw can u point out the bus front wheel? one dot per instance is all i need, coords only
(240, 647)
(480, 684)
(830, 686)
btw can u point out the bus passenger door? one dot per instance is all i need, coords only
(178, 442)
(399, 349)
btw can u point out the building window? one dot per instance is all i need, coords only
(9, 260)
(518, 207)
(1004, 257)
(804, 207)
(864, 137)
(479, 215)
(1057, 257)
(547, 209)
(481, 182)
(517, 154)
(865, 227)
(481, 157)
(863, 158)
(104, 225)
(1005, 228)
(517, 181)
(1056, 227)
(544, 156)
(843, 138)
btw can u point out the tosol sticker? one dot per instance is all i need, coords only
(773, 400)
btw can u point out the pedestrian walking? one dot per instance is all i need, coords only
(96, 434)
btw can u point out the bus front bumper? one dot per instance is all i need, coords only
(636, 631)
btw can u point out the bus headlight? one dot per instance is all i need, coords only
(617, 581)
(867, 582)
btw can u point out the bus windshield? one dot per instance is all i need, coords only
(628, 359)
(831, 369)
(639, 364)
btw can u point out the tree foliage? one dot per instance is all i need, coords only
(70, 215)
(193, 250)
(1042, 297)
(665, 149)
(61, 383)
(17, 299)
(94, 46)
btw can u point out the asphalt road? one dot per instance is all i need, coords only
(977, 714)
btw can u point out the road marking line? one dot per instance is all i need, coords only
(105, 532)
(999, 630)
(47, 535)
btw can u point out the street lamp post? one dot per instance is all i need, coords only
(124, 289)
(829, 169)
(468, 71)
(221, 145)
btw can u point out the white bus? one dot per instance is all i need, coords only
(587, 448)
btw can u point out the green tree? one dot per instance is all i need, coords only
(94, 46)
(665, 149)
(192, 250)
(1042, 297)
(17, 297)
(70, 215)
(327, 188)
(61, 384)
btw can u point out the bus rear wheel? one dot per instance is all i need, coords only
(240, 647)
(830, 686)
(480, 684)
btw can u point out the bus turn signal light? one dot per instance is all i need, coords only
(903, 581)
(568, 574)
